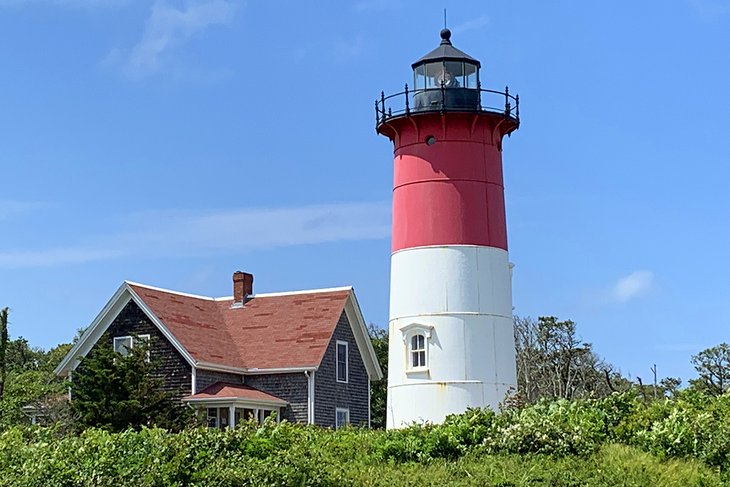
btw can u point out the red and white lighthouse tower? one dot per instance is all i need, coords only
(451, 333)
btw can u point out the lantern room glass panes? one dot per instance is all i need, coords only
(471, 76)
(453, 74)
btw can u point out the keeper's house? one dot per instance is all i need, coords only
(305, 355)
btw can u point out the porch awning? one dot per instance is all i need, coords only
(236, 394)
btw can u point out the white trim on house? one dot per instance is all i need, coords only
(123, 338)
(281, 370)
(179, 293)
(259, 413)
(314, 397)
(370, 409)
(110, 311)
(161, 326)
(252, 371)
(193, 379)
(347, 416)
(144, 337)
(310, 396)
(238, 401)
(304, 291)
(220, 368)
(230, 298)
(337, 361)
(102, 322)
(362, 337)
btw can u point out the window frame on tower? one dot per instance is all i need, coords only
(410, 338)
(417, 351)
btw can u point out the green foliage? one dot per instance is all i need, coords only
(116, 392)
(29, 381)
(27, 388)
(3, 348)
(466, 450)
(379, 389)
(713, 367)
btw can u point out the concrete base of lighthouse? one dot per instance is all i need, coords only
(459, 297)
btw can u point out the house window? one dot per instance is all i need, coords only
(146, 340)
(341, 361)
(418, 351)
(212, 417)
(342, 417)
(122, 345)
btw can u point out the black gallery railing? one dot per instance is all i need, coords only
(446, 99)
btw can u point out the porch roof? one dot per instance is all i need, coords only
(234, 393)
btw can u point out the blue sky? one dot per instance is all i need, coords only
(173, 142)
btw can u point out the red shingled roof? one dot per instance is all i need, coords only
(269, 332)
(222, 390)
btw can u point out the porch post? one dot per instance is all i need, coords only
(231, 416)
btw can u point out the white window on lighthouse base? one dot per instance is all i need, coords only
(416, 340)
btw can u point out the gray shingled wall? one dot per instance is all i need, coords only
(289, 387)
(330, 394)
(173, 368)
(205, 378)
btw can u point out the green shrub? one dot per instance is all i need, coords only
(686, 441)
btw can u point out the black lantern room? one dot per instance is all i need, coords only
(446, 68)
(446, 80)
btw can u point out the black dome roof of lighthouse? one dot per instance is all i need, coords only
(446, 52)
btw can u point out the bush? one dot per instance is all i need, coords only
(550, 443)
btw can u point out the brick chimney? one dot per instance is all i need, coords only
(242, 287)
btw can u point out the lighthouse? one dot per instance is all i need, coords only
(451, 342)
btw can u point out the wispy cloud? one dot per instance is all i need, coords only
(183, 233)
(167, 29)
(65, 3)
(633, 286)
(248, 228)
(54, 257)
(473, 24)
(11, 209)
(711, 9)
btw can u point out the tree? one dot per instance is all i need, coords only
(379, 389)
(116, 392)
(713, 367)
(30, 382)
(3, 348)
(669, 386)
(553, 362)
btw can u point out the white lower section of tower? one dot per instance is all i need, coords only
(458, 298)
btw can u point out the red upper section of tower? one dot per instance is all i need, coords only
(447, 133)
(448, 187)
